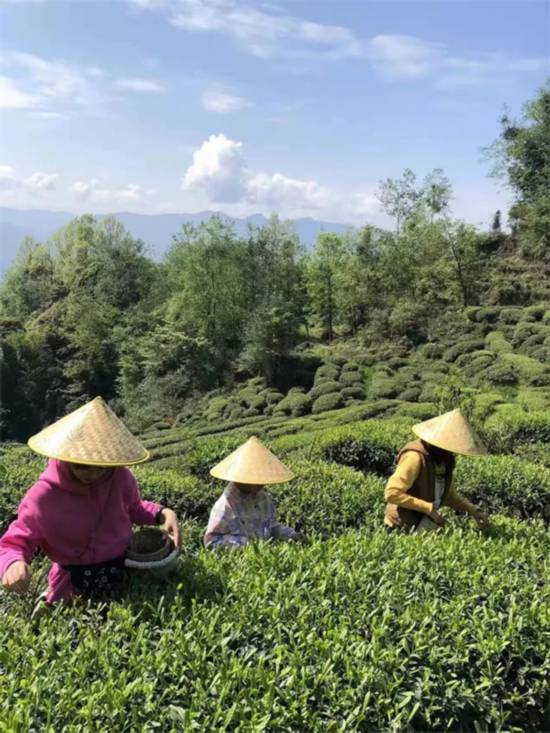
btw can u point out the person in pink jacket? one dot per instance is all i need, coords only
(80, 514)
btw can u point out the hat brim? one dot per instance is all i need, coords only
(471, 454)
(81, 462)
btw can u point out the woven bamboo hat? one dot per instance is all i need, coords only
(451, 432)
(92, 435)
(252, 463)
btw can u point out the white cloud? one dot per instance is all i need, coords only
(277, 190)
(404, 56)
(18, 190)
(219, 169)
(131, 193)
(265, 32)
(8, 178)
(216, 100)
(139, 85)
(13, 98)
(41, 181)
(57, 88)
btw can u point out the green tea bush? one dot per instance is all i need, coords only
(417, 412)
(326, 402)
(432, 351)
(347, 379)
(534, 312)
(363, 632)
(327, 499)
(411, 394)
(324, 388)
(511, 315)
(357, 393)
(383, 386)
(501, 374)
(505, 431)
(496, 342)
(327, 372)
(505, 484)
(487, 315)
(523, 331)
(272, 397)
(525, 367)
(463, 347)
(351, 366)
(295, 404)
(370, 446)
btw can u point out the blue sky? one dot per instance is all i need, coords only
(294, 107)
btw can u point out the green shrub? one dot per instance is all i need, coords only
(429, 392)
(496, 342)
(501, 374)
(369, 446)
(525, 367)
(534, 312)
(251, 412)
(411, 394)
(327, 499)
(357, 393)
(505, 430)
(417, 412)
(523, 331)
(296, 390)
(510, 315)
(272, 397)
(349, 379)
(351, 366)
(327, 372)
(258, 402)
(462, 347)
(487, 315)
(382, 386)
(326, 402)
(324, 388)
(343, 634)
(295, 404)
(540, 380)
(505, 484)
(432, 351)
(257, 382)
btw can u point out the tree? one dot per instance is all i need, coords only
(522, 158)
(464, 244)
(436, 193)
(325, 266)
(400, 197)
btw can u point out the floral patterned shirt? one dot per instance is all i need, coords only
(239, 516)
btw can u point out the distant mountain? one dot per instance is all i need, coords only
(156, 230)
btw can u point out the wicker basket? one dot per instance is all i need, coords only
(148, 545)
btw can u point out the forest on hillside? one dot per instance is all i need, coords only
(89, 313)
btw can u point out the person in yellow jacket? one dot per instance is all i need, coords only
(423, 479)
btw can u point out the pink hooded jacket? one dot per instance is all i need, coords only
(75, 524)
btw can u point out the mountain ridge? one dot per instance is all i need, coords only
(156, 230)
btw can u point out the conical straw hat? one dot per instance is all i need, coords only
(92, 435)
(451, 432)
(252, 463)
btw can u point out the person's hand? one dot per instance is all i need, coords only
(17, 577)
(171, 526)
(437, 517)
(481, 517)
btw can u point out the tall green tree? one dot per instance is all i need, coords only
(522, 158)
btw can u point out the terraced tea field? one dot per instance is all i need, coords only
(353, 631)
